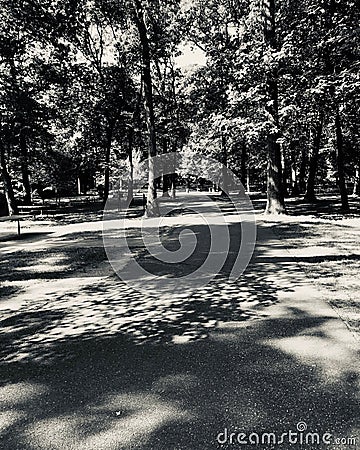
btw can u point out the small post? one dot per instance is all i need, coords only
(18, 222)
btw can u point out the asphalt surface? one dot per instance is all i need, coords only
(280, 366)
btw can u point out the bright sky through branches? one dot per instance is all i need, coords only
(190, 56)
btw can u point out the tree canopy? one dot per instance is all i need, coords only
(88, 86)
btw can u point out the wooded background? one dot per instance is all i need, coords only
(88, 87)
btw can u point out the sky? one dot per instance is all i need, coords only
(190, 56)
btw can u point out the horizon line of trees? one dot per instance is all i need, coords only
(89, 86)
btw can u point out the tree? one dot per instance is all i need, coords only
(275, 193)
(9, 192)
(152, 208)
(314, 158)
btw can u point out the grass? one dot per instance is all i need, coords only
(327, 246)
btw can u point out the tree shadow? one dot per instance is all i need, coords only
(325, 207)
(313, 259)
(9, 291)
(51, 264)
(95, 311)
(24, 236)
(114, 394)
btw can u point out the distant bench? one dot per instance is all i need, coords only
(15, 218)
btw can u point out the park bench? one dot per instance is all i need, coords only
(15, 218)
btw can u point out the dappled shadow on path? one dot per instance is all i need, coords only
(51, 263)
(113, 308)
(116, 395)
(104, 307)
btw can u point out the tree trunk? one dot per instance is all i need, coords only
(224, 174)
(165, 178)
(243, 163)
(294, 181)
(340, 163)
(8, 189)
(24, 157)
(173, 176)
(275, 195)
(302, 171)
(130, 190)
(131, 137)
(285, 169)
(248, 187)
(173, 185)
(109, 136)
(331, 68)
(165, 185)
(24, 166)
(356, 189)
(313, 163)
(152, 208)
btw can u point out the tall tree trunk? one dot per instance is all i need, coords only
(243, 165)
(165, 178)
(172, 176)
(285, 170)
(248, 186)
(294, 181)
(131, 137)
(165, 185)
(109, 136)
(24, 166)
(130, 191)
(224, 175)
(340, 163)
(173, 185)
(20, 118)
(313, 163)
(8, 189)
(302, 171)
(331, 68)
(275, 195)
(356, 188)
(152, 208)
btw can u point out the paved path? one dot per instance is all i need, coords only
(257, 356)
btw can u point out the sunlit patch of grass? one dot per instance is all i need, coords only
(336, 277)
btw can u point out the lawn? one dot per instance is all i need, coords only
(326, 244)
